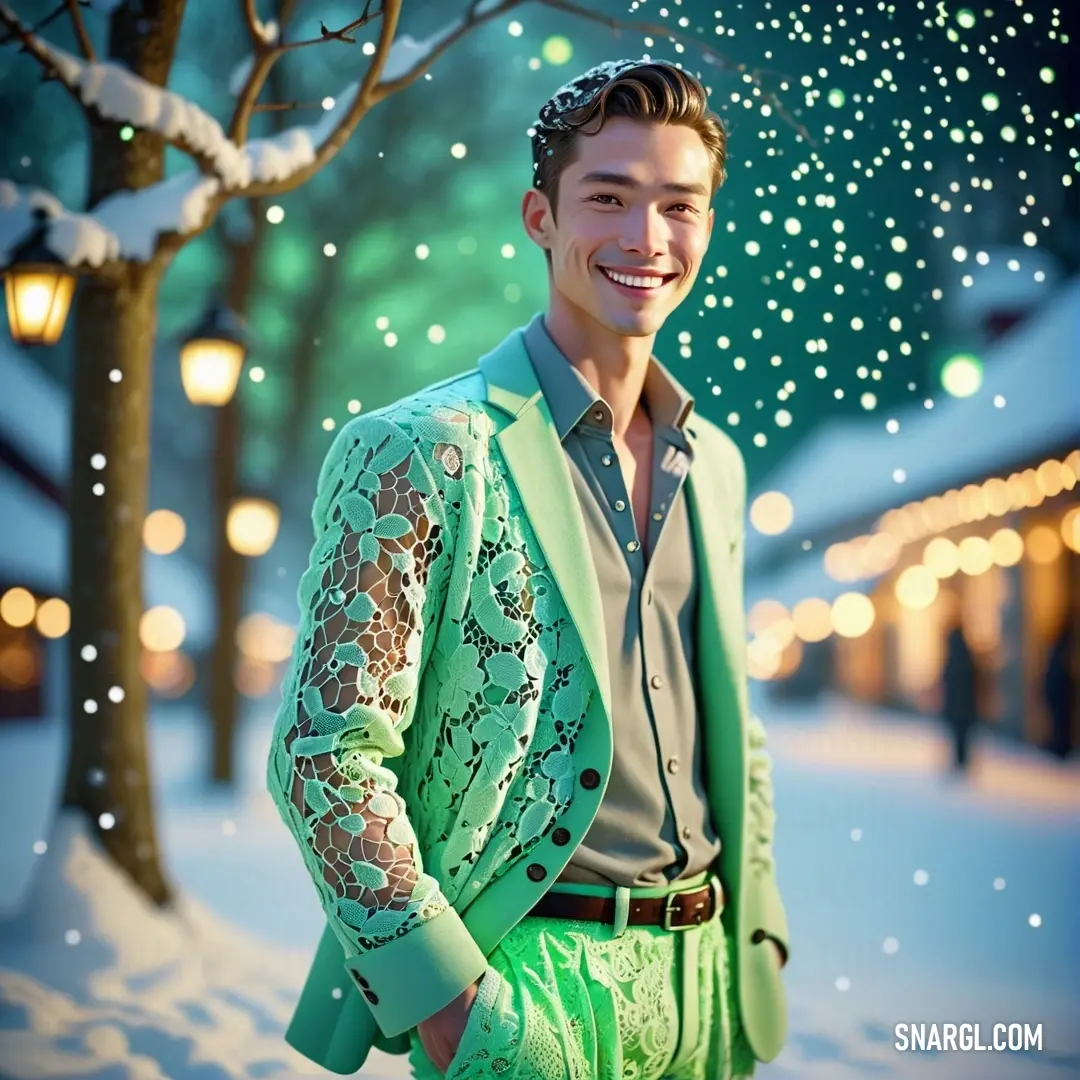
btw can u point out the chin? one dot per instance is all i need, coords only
(635, 323)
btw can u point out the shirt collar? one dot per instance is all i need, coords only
(570, 395)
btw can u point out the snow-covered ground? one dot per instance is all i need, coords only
(909, 896)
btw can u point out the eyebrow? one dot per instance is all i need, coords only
(622, 180)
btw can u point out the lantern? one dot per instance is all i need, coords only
(252, 524)
(38, 285)
(211, 357)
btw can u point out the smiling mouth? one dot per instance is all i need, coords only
(642, 282)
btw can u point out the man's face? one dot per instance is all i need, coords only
(632, 223)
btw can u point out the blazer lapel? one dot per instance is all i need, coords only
(536, 461)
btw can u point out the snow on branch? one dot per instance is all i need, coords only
(125, 226)
(181, 205)
(79, 239)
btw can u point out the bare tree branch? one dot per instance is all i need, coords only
(478, 14)
(39, 25)
(286, 106)
(251, 21)
(474, 17)
(390, 10)
(35, 47)
(80, 31)
(266, 56)
(68, 70)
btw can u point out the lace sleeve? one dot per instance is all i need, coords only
(372, 586)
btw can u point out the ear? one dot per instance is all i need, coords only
(712, 219)
(537, 218)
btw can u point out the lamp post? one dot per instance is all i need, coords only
(38, 286)
(211, 356)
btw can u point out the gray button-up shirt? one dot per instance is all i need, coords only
(653, 824)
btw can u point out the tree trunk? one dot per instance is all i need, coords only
(108, 773)
(230, 569)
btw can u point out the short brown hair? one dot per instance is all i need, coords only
(650, 91)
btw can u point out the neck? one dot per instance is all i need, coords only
(615, 366)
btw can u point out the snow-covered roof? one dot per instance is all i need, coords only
(845, 470)
(798, 580)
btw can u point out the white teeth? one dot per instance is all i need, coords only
(636, 282)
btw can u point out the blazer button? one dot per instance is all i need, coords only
(560, 836)
(590, 778)
(371, 997)
(364, 984)
(536, 872)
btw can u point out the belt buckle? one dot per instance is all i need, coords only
(669, 908)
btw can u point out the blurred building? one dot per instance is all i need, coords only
(876, 535)
(178, 625)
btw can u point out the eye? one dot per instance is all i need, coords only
(685, 208)
(599, 198)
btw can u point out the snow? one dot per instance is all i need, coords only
(268, 31)
(206, 991)
(76, 238)
(177, 204)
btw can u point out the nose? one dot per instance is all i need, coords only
(643, 232)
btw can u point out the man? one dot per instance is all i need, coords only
(515, 746)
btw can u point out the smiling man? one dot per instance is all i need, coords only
(514, 745)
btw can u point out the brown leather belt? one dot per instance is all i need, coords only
(676, 911)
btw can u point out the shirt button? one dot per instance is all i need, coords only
(607, 459)
(632, 545)
(561, 836)
(536, 872)
(648, 596)
(673, 765)
(619, 504)
(657, 516)
(590, 778)
(598, 414)
(686, 832)
(656, 682)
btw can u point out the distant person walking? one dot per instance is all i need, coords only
(1059, 688)
(960, 710)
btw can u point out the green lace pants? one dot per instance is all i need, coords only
(567, 1000)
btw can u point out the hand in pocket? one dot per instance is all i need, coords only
(440, 1034)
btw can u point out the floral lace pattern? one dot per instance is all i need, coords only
(562, 1000)
(416, 528)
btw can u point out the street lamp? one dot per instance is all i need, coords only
(211, 356)
(38, 286)
(251, 525)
